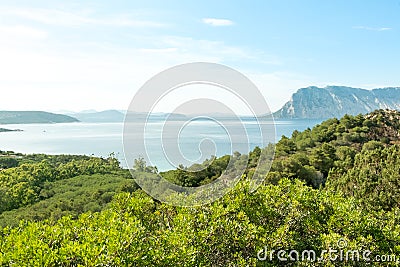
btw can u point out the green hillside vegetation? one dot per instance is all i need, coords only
(24, 184)
(209, 170)
(26, 117)
(336, 182)
(71, 197)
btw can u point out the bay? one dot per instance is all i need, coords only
(196, 142)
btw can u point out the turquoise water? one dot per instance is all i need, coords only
(196, 142)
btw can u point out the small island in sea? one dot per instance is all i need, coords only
(4, 130)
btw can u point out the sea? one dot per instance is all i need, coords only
(194, 143)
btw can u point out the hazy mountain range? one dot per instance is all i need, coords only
(119, 116)
(102, 116)
(307, 103)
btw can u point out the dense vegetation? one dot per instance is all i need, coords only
(335, 184)
(71, 197)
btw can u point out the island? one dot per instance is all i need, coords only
(336, 101)
(3, 130)
(28, 117)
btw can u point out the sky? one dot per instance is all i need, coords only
(80, 55)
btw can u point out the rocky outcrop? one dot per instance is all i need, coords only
(336, 101)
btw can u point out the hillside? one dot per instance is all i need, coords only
(58, 185)
(74, 196)
(336, 185)
(336, 101)
(27, 117)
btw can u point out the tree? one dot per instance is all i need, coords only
(285, 147)
(7, 162)
(323, 158)
(139, 165)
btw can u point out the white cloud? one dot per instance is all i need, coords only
(193, 49)
(44, 71)
(105, 77)
(66, 18)
(21, 31)
(217, 22)
(159, 50)
(278, 87)
(47, 74)
(377, 29)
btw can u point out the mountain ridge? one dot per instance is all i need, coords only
(335, 101)
(92, 116)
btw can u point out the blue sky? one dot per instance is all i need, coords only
(76, 55)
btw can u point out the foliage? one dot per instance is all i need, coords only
(138, 231)
(8, 162)
(22, 185)
(71, 197)
(374, 179)
(339, 181)
(198, 174)
(333, 144)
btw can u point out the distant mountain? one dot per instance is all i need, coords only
(88, 111)
(119, 116)
(335, 101)
(26, 117)
(102, 116)
(133, 116)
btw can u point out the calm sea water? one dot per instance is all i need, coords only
(197, 142)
